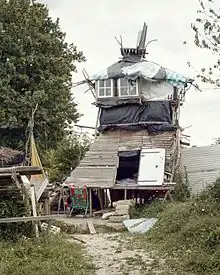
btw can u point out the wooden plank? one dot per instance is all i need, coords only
(34, 209)
(99, 154)
(95, 163)
(91, 227)
(28, 219)
(105, 147)
(7, 175)
(94, 172)
(129, 148)
(139, 187)
(23, 170)
(103, 183)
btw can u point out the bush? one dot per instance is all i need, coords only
(13, 231)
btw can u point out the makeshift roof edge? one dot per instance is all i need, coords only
(145, 69)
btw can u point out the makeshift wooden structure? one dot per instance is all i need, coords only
(23, 183)
(138, 137)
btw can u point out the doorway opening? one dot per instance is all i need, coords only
(128, 167)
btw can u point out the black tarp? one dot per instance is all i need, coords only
(128, 154)
(153, 115)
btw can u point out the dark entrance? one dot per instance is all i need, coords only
(128, 165)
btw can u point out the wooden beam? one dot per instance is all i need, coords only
(97, 122)
(7, 175)
(86, 127)
(28, 219)
(91, 227)
(136, 187)
(129, 124)
(22, 170)
(34, 209)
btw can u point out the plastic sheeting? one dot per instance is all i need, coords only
(155, 90)
(144, 69)
(139, 226)
(128, 154)
(153, 115)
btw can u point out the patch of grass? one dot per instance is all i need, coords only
(187, 234)
(151, 210)
(49, 255)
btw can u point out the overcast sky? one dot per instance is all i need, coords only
(92, 26)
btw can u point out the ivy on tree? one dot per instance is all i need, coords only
(207, 36)
(36, 66)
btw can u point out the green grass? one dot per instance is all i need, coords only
(152, 210)
(187, 234)
(43, 256)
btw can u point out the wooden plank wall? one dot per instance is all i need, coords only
(99, 166)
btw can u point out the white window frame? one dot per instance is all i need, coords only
(119, 88)
(98, 88)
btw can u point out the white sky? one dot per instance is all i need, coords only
(92, 26)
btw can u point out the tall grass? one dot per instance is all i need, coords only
(44, 256)
(189, 232)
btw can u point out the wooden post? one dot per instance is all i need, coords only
(59, 203)
(125, 194)
(48, 204)
(106, 198)
(97, 121)
(64, 205)
(90, 201)
(99, 192)
(34, 209)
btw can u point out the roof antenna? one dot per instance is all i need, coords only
(141, 40)
(120, 43)
(142, 35)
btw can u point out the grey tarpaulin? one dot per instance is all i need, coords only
(153, 115)
(139, 225)
(133, 68)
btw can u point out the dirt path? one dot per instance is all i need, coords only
(112, 256)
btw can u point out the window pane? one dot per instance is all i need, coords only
(123, 82)
(101, 83)
(124, 91)
(101, 91)
(108, 92)
(132, 90)
(108, 83)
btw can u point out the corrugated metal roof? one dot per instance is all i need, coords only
(202, 166)
(99, 166)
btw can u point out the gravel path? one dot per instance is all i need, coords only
(111, 255)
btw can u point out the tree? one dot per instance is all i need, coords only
(60, 161)
(36, 66)
(207, 36)
(217, 141)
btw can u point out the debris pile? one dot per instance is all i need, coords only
(9, 157)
